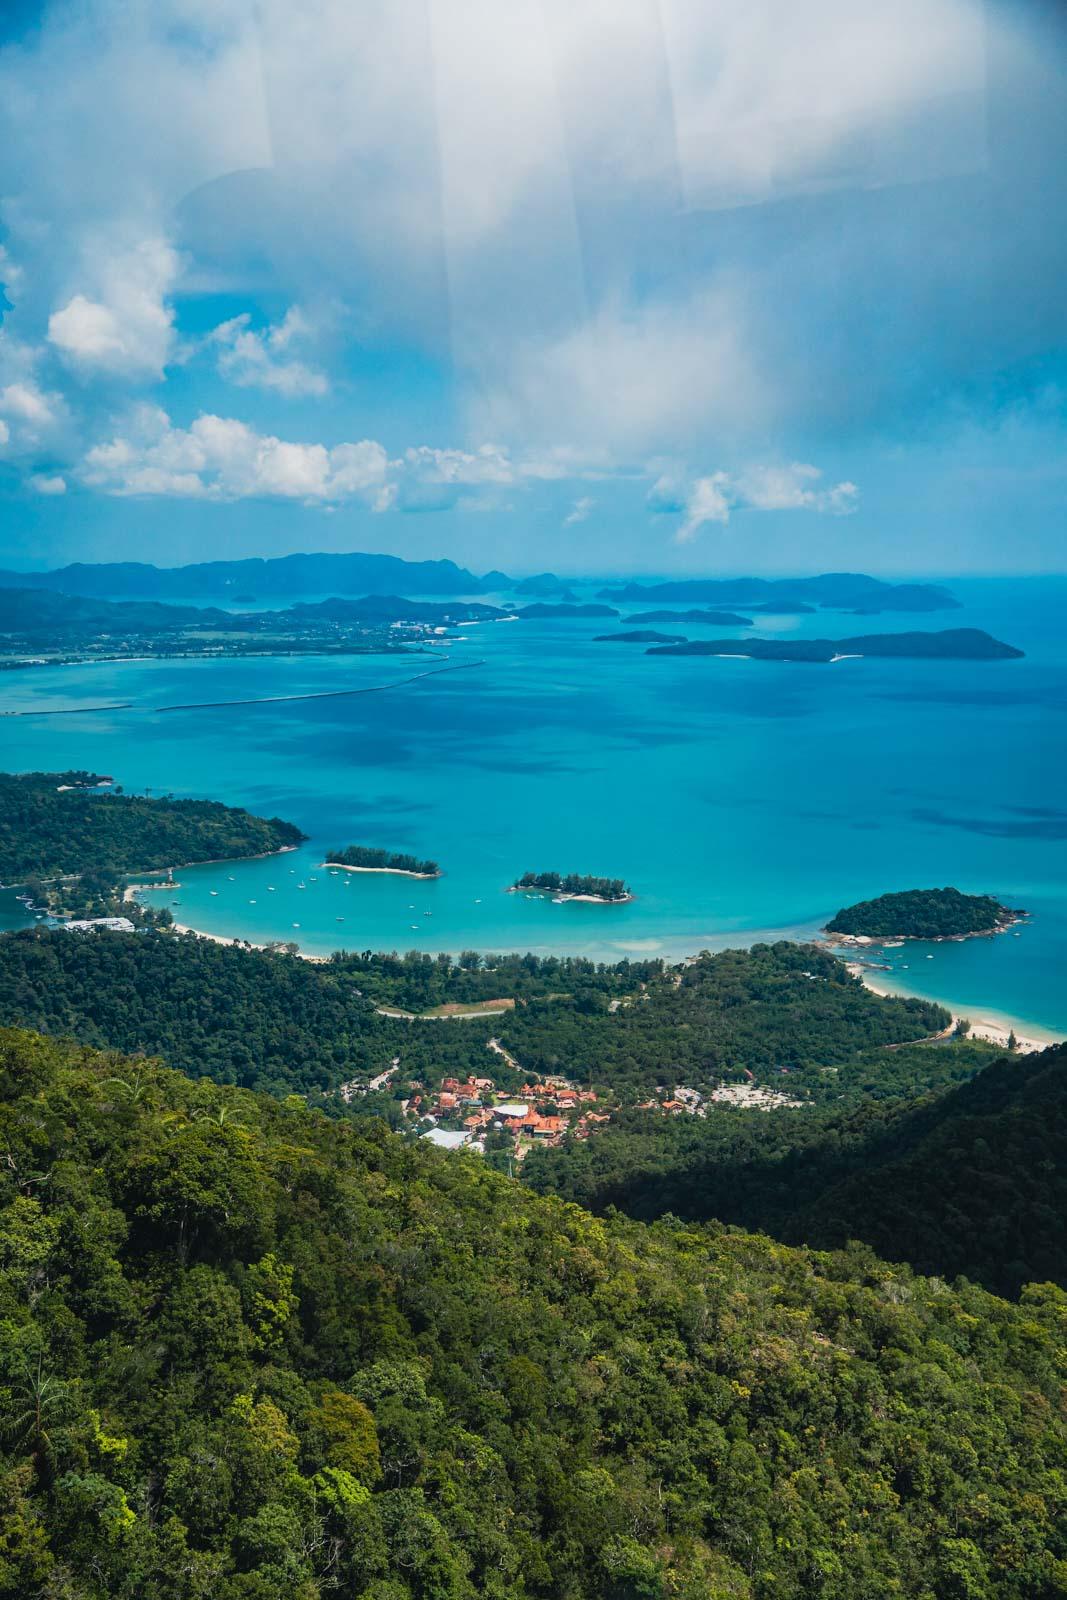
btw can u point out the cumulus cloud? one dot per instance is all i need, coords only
(220, 458)
(223, 458)
(5, 433)
(47, 484)
(30, 413)
(263, 358)
(712, 499)
(125, 328)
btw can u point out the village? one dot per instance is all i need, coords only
(475, 1115)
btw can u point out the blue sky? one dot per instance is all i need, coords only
(595, 285)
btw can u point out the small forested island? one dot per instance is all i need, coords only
(364, 858)
(545, 609)
(639, 636)
(575, 886)
(924, 914)
(950, 644)
(715, 619)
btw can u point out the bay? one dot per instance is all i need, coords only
(740, 799)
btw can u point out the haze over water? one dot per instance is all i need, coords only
(739, 799)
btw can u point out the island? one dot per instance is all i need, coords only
(639, 636)
(950, 644)
(714, 619)
(543, 609)
(840, 591)
(365, 858)
(931, 914)
(574, 886)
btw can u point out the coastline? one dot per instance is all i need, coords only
(992, 1026)
(396, 872)
(559, 894)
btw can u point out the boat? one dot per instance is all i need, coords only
(213, 891)
(251, 902)
(338, 919)
(557, 900)
(296, 924)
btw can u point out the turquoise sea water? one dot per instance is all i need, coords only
(740, 799)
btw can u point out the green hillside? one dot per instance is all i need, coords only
(250, 1354)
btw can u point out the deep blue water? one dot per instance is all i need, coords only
(738, 798)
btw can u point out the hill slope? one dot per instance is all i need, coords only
(249, 1354)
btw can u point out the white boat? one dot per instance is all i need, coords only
(213, 891)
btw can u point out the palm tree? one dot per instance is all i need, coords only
(42, 1405)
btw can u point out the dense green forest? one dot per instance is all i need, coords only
(966, 1178)
(362, 855)
(247, 1353)
(784, 1014)
(46, 830)
(923, 914)
(575, 883)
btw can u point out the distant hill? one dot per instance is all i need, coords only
(29, 611)
(324, 573)
(839, 591)
(544, 609)
(950, 644)
(714, 619)
(391, 608)
(544, 584)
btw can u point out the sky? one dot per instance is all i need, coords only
(595, 286)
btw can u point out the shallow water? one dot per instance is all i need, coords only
(738, 798)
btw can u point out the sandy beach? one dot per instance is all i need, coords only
(994, 1028)
(395, 872)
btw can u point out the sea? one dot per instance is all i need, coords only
(741, 800)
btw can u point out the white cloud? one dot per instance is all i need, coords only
(5, 433)
(25, 402)
(42, 483)
(579, 510)
(793, 488)
(252, 359)
(796, 487)
(220, 458)
(705, 502)
(127, 329)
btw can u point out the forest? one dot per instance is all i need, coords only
(777, 1014)
(923, 914)
(247, 1353)
(362, 855)
(52, 824)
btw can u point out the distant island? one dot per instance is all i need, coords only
(545, 609)
(715, 619)
(924, 914)
(574, 886)
(364, 858)
(951, 644)
(542, 584)
(639, 636)
(839, 591)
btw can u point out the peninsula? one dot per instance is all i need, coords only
(544, 609)
(839, 591)
(574, 886)
(950, 644)
(365, 858)
(931, 914)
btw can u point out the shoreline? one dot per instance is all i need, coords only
(993, 1027)
(990, 1025)
(396, 872)
(559, 894)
